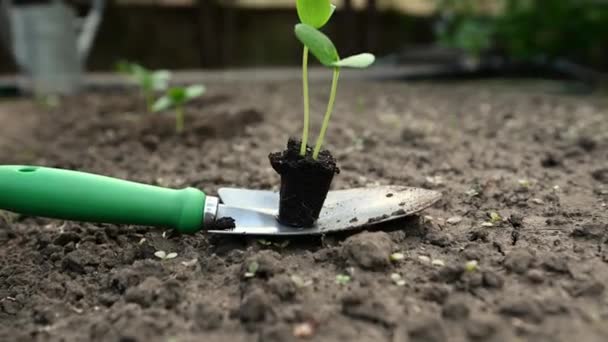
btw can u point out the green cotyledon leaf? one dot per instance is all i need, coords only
(194, 91)
(318, 43)
(360, 61)
(161, 104)
(315, 13)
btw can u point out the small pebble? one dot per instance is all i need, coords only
(454, 220)
(303, 330)
(424, 258)
(438, 262)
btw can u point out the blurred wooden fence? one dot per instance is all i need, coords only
(238, 33)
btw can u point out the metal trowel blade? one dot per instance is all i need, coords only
(255, 211)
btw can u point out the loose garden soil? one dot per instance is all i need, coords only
(523, 169)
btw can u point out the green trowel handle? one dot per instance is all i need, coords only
(78, 196)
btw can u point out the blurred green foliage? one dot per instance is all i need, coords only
(526, 29)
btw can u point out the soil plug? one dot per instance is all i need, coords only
(307, 173)
(149, 81)
(176, 97)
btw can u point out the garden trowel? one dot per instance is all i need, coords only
(78, 196)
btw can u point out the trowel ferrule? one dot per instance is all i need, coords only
(210, 210)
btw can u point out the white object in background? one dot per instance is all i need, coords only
(51, 44)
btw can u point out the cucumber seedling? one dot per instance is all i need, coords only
(149, 81)
(315, 13)
(306, 174)
(176, 97)
(325, 51)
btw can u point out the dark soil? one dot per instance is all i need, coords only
(305, 183)
(522, 169)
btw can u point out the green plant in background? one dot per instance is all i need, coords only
(462, 26)
(324, 50)
(149, 81)
(315, 13)
(528, 29)
(176, 97)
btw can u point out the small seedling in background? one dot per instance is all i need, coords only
(313, 15)
(252, 269)
(264, 242)
(397, 256)
(176, 97)
(471, 266)
(149, 81)
(164, 256)
(472, 192)
(268, 243)
(495, 217)
(343, 279)
(524, 183)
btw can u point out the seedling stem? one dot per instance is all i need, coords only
(330, 108)
(149, 96)
(306, 101)
(179, 119)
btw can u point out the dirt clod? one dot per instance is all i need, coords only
(255, 306)
(535, 276)
(523, 308)
(455, 309)
(283, 287)
(518, 261)
(208, 316)
(600, 175)
(556, 264)
(492, 280)
(438, 238)
(364, 306)
(427, 330)
(79, 261)
(587, 288)
(369, 251)
(267, 261)
(65, 238)
(449, 274)
(591, 231)
(481, 329)
(224, 223)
